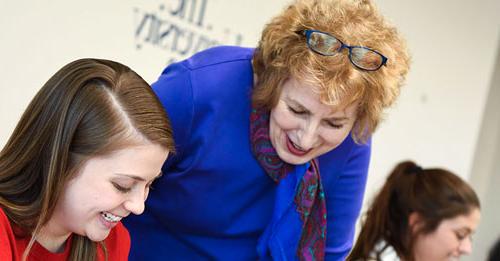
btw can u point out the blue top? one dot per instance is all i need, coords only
(214, 199)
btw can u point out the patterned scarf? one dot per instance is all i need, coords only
(309, 198)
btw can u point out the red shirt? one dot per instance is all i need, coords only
(12, 248)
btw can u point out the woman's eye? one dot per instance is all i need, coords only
(333, 125)
(460, 236)
(121, 188)
(296, 111)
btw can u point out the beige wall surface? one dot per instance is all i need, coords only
(436, 122)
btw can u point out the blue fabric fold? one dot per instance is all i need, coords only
(281, 237)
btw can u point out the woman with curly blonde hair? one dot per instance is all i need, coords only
(273, 142)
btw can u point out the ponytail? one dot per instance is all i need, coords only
(433, 194)
(387, 218)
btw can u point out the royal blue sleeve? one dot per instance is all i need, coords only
(174, 90)
(344, 190)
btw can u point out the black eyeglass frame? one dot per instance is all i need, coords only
(308, 32)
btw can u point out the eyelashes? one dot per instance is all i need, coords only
(461, 235)
(125, 190)
(304, 112)
(296, 111)
(335, 126)
(120, 188)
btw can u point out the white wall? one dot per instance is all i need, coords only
(436, 121)
(485, 174)
(39, 37)
(438, 117)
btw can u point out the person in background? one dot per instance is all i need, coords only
(419, 215)
(81, 158)
(273, 143)
(494, 254)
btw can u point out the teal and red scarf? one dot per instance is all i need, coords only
(308, 198)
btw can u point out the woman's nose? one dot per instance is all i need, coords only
(309, 137)
(465, 246)
(135, 203)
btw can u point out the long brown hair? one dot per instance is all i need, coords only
(435, 194)
(89, 108)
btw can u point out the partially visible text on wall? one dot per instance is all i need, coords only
(179, 27)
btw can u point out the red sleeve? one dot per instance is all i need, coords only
(7, 240)
(117, 244)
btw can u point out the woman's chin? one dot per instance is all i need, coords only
(97, 237)
(293, 159)
(97, 233)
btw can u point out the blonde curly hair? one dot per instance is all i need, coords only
(283, 53)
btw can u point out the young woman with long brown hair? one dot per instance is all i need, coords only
(81, 158)
(419, 215)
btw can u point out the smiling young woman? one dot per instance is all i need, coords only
(419, 215)
(81, 158)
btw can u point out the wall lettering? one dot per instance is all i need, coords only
(179, 28)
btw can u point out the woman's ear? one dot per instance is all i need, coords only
(415, 222)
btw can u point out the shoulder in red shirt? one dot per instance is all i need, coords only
(12, 248)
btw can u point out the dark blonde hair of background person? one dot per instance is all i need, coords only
(281, 52)
(435, 194)
(88, 108)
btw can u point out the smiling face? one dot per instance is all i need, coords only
(449, 241)
(302, 128)
(105, 190)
